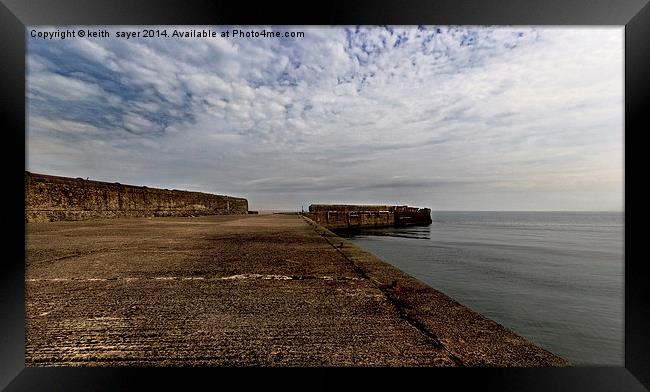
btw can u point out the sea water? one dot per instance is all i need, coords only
(554, 277)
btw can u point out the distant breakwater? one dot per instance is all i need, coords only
(350, 217)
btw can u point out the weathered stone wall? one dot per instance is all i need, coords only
(359, 216)
(348, 207)
(352, 219)
(51, 198)
(405, 216)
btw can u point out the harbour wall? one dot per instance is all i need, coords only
(51, 198)
(345, 216)
(258, 290)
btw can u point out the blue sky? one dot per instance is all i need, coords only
(455, 118)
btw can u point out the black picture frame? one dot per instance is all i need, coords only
(16, 14)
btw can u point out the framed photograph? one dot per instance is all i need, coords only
(419, 184)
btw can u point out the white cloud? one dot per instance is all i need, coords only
(92, 50)
(42, 124)
(138, 124)
(529, 112)
(59, 87)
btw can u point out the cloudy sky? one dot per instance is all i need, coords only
(452, 118)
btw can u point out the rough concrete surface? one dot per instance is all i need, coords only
(247, 290)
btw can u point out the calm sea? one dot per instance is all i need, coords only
(553, 277)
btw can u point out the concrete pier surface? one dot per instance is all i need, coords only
(246, 290)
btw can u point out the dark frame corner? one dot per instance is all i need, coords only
(633, 14)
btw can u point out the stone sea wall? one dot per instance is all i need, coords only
(51, 198)
(346, 216)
